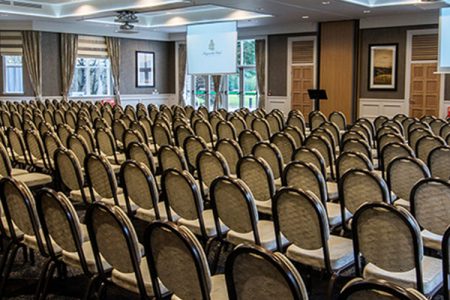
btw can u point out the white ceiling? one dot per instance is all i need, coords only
(171, 16)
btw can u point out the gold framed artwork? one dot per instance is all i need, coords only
(383, 67)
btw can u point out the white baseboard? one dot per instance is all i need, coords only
(371, 108)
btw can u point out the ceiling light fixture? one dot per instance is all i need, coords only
(305, 17)
(367, 11)
(326, 2)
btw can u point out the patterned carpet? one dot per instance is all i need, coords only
(23, 280)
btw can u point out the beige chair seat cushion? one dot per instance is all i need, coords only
(128, 280)
(121, 200)
(266, 234)
(17, 172)
(77, 197)
(19, 234)
(210, 226)
(31, 242)
(39, 163)
(375, 163)
(341, 254)
(431, 240)
(278, 183)
(402, 203)
(374, 153)
(334, 214)
(21, 159)
(72, 259)
(219, 288)
(333, 191)
(432, 275)
(150, 216)
(115, 168)
(34, 179)
(264, 207)
(120, 158)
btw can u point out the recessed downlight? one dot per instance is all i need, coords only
(305, 17)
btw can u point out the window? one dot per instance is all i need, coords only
(12, 74)
(238, 90)
(92, 78)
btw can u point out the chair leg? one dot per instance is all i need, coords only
(8, 266)
(5, 257)
(216, 258)
(93, 282)
(331, 285)
(47, 280)
(32, 257)
(42, 277)
(102, 291)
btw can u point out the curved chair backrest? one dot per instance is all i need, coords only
(296, 135)
(177, 259)
(161, 135)
(416, 135)
(430, 205)
(307, 177)
(436, 126)
(352, 160)
(193, 145)
(445, 131)
(364, 289)
(388, 138)
(101, 178)
(339, 119)
(257, 175)
(262, 127)
(285, 143)
(277, 277)
(203, 129)
(106, 143)
(5, 162)
(272, 155)
(357, 146)
(426, 144)
(355, 135)
(334, 130)
(68, 168)
(393, 150)
(323, 146)
(130, 136)
(275, 123)
(398, 249)
(141, 153)
(395, 124)
(239, 124)
(210, 165)
(139, 186)
(403, 173)
(233, 204)
(17, 145)
(231, 151)
(438, 162)
(297, 121)
(214, 119)
(114, 239)
(36, 149)
(182, 132)
(79, 147)
(61, 225)
(312, 156)
(367, 124)
(357, 187)
(225, 130)
(170, 157)
(316, 118)
(88, 137)
(248, 139)
(302, 219)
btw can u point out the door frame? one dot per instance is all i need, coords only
(290, 64)
(409, 62)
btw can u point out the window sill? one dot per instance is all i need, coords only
(13, 94)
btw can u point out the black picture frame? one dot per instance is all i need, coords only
(148, 56)
(390, 85)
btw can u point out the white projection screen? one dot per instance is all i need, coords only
(211, 48)
(444, 40)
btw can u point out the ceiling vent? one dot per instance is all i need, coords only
(27, 5)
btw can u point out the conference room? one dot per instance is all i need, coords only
(180, 149)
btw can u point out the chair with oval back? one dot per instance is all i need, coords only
(397, 254)
(277, 277)
(272, 155)
(231, 151)
(426, 144)
(225, 130)
(393, 150)
(193, 145)
(210, 165)
(248, 139)
(339, 119)
(262, 127)
(285, 144)
(438, 162)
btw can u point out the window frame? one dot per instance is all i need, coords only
(110, 85)
(4, 68)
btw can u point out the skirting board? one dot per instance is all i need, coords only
(372, 108)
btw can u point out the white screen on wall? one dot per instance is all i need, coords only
(211, 48)
(444, 40)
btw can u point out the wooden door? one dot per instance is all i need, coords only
(425, 90)
(302, 80)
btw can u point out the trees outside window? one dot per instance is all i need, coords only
(12, 74)
(92, 78)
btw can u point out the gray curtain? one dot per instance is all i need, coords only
(181, 73)
(33, 59)
(261, 70)
(113, 46)
(217, 79)
(69, 50)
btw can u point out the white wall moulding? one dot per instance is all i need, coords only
(372, 108)
(146, 99)
(278, 102)
(445, 109)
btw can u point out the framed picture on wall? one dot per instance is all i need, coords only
(383, 67)
(145, 69)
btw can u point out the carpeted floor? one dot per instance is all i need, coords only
(23, 280)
